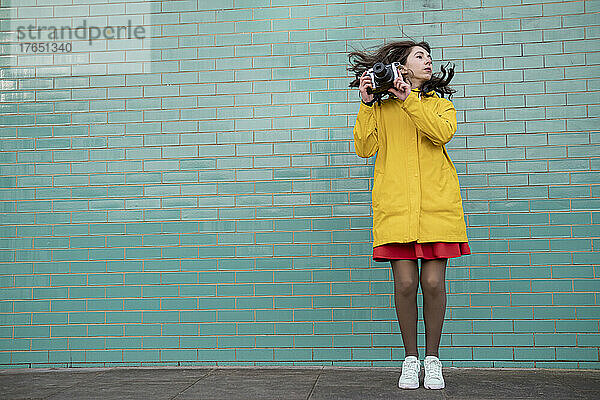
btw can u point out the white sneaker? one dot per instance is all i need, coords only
(411, 366)
(433, 373)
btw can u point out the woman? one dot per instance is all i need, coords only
(417, 206)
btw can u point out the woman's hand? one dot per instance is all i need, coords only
(401, 89)
(365, 82)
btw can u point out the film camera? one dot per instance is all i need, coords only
(382, 77)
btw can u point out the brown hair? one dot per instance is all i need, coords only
(399, 51)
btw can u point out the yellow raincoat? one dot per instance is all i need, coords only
(416, 193)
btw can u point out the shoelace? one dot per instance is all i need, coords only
(434, 369)
(411, 369)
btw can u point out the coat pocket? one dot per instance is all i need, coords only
(376, 192)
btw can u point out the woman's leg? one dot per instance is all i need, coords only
(406, 284)
(433, 285)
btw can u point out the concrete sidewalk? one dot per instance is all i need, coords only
(231, 383)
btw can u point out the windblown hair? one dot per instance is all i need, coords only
(399, 51)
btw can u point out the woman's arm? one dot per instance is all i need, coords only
(365, 129)
(365, 132)
(439, 126)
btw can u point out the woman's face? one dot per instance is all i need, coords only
(419, 61)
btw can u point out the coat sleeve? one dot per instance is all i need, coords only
(365, 132)
(439, 126)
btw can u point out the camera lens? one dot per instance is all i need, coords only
(382, 74)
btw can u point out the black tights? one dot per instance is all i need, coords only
(433, 285)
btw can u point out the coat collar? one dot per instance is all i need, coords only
(418, 90)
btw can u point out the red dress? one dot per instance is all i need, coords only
(414, 250)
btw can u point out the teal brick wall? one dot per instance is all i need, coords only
(192, 196)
